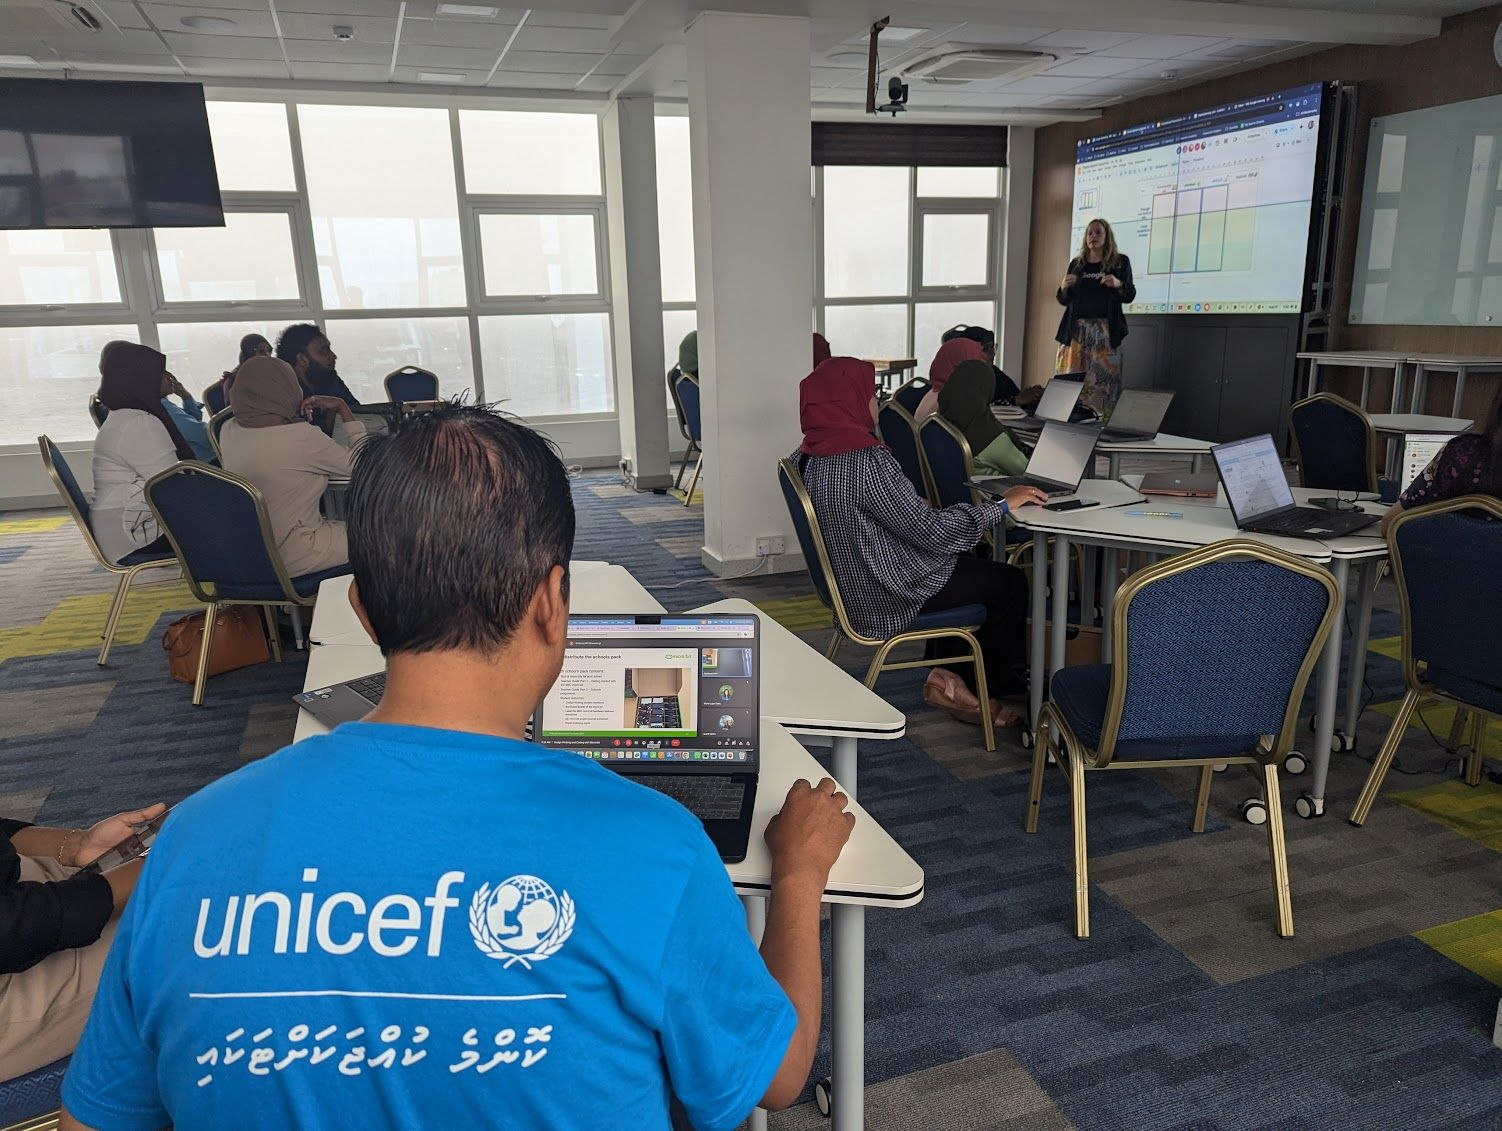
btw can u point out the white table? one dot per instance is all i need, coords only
(1163, 444)
(1398, 363)
(1462, 367)
(1364, 360)
(1110, 527)
(801, 691)
(1397, 423)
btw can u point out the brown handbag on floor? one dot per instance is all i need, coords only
(239, 642)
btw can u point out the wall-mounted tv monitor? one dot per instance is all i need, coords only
(1212, 206)
(82, 154)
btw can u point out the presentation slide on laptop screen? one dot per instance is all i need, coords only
(677, 689)
(1253, 475)
(1212, 207)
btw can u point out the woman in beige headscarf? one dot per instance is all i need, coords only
(271, 443)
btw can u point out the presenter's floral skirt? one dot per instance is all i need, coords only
(1090, 353)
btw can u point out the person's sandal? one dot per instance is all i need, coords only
(937, 695)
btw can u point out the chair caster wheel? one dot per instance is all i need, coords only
(1220, 767)
(1254, 811)
(1026, 738)
(1306, 807)
(1342, 743)
(1295, 763)
(822, 1097)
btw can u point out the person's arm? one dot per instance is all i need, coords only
(1127, 292)
(1002, 455)
(146, 446)
(888, 498)
(38, 919)
(1066, 286)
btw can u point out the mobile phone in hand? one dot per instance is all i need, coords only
(137, 844)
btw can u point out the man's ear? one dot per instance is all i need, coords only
(550, 607)
(354, 603)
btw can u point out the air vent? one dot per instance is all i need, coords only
(39, 18)
(955, 65)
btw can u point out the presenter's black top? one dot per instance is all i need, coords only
(1090, 298)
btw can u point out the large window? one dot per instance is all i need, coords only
(675, 233)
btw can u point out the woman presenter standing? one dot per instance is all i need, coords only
(1092, 293)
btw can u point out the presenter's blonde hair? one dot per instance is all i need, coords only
(1109, 256)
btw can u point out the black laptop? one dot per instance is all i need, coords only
(1057, 465)
(1138, 415)
(1262, 502)
(671, 702)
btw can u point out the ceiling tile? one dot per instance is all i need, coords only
(1182, 67)
(381, 9)
(1095, 66)
(1082, 40)
(122, 12)
(236, 68)
(540, 18)
(86, 45)
(620, 64)
(223, 47)
(338, 54)
(995, 35)
(471, 77)
(576, 39)
(549, 62)
(598, 83)
(489, 35)
(1163, 46)
(135, 64)
(1105, 88)
(169, 18)
(517, 81)
(427, 9)
(1040, 84)
(368, 29)
(445, 58)
(341, 72)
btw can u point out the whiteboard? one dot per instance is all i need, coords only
(1430, 245)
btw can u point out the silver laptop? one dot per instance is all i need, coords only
(1262, 502)
(1057, 465)
(1419, 450)
(1138, 415)
(671, 702)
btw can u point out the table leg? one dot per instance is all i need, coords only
(1361, 632)
(1397, 388)
(1460, 375)
(1109, 565)
(842, 760)
(1420, 380)
(756, 924)
(847, 1027)
(1196, 462)
(1329, 686)
(1088, 563)
(1366, 384)
(1040, 616)
(1059, 606)
(1113, 465)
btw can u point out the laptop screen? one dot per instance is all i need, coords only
(1419, 450)
(1141, 410)
(657, 689)
(1059, 398)
(1253, 476)
(1062, 453)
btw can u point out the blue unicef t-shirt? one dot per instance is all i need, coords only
(399, 927)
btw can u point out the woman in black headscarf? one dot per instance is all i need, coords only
(216, 396)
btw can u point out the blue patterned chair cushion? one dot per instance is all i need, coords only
(1080, 694)
(965, 616)
(36, 1093)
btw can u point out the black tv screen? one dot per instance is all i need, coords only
(81, 154)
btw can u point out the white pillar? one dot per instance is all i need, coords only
(748, 102)
(1017, 219)
(636, 291)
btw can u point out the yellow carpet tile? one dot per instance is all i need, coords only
(1440, 717)
(796, 614)
(78, 622)
(1475, 943)
(33, 525)
(1475, 813)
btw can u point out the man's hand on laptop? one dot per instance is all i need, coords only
(1023, 496)
(807, 836)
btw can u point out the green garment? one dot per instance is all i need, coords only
(1000, 457)
(688, 353)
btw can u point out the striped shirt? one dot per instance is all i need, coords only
(890, 550)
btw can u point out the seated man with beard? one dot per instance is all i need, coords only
(305, 347)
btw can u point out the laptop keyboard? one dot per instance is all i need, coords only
(372, 687)
(710, 797)
(658, 712)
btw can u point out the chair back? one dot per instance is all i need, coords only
(216, 426)
(900, 434)
(97, 410)
(672, 378)
(1444, 559)
(215, 399)
(811, 542)
(1335, 444)
(72, 494)
(686, 385)
(1216, 644)
(910, 394)
(411, 383)
(218, 525)
(947, 454)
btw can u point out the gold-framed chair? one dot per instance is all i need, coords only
(78, 507)
(216, 425)
(410, 383)
(97, 410)
(1334, 444)
(899, 432)
(218, 526)
(1210, 654)
(953, 624)
(684, 389)
(1451, 628)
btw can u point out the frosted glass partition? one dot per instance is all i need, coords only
(1430, 246)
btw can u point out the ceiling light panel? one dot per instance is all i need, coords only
(468, 11)
(208, 23)
(450, 77)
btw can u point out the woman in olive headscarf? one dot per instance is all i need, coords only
(271, 443)
(965, 401)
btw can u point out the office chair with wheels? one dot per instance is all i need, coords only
(684, 388)
(1334, 444)
(127, 568)
(957, 624)
(1210, 654)
(1452, 629)
(410, 383)
(97, 410)
(899, 433)
(217, 523)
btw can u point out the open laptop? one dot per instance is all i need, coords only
(1138, 415)
(1059, 397)
(1057, 465)
(1181, 484)
(671, 702)
(1261, 500)
(1419, 450)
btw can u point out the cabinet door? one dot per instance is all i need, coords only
(1196, 357)
(1253, 391)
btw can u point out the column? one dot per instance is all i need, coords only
(748, 100)
(636, 291)
(1016, 219)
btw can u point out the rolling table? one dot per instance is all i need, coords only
(801, 691)
(1110, 527)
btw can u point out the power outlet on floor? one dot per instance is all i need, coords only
(771, 546)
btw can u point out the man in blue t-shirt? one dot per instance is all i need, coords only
(420, 919)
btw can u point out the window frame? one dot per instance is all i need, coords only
(28, 315)
(477, 207)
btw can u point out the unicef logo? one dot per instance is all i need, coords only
(522, 920)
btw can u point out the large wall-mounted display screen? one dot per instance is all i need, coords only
(1212, 206)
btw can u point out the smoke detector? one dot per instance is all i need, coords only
(954, 64)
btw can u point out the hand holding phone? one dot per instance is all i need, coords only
(138, 838)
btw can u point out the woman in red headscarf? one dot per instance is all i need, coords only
(137, 440)
(893, 555)
(951, 354)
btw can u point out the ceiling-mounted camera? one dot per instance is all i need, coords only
(896, 98)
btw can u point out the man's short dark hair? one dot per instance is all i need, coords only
(454, 520)
(977, 334)
(296, 339)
